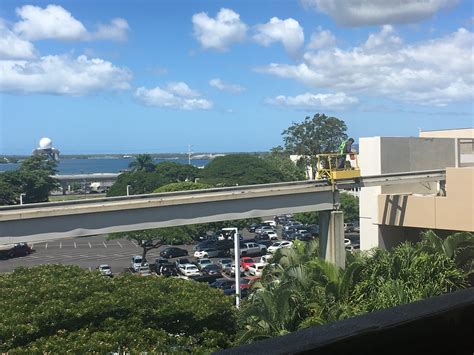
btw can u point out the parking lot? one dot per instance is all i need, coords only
(90, 252)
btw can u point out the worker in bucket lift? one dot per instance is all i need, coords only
(344, 149)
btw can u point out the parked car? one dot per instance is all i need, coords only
(245, 262)
(266, 258)
(189, 270)
(292, 224)
(264, 229)
(252, 227)
(203, 262)
(211, 269)
(231, 270)
(19, 249)
(250, 248)
(207, 252)
(279, 245)
(182, 261)
(348, 227)
(105, 270)
(347, 241)
(272, 235)
(168, 269)
(256, 269)
(173, 252)
(222, 263)
(137, 262)
(222, 284)
(270, 222)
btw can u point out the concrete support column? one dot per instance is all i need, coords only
(331, 237)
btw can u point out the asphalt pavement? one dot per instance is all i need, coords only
(90, 252)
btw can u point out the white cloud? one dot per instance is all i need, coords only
(117, 30)
(314, 101)
(288, 32)
(62, 75)
(434, 72)
(219, 32)
(50, 22)
(378, 12)
(322, 39)
(55, 22)
(13, 47)
(221, 85)
(173, 96)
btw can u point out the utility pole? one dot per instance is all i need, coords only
(237, 268)
(189, 154)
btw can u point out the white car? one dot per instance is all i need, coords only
(272, 223)
(137, 262)
(105, 270)
(279, 245)
(272, 235)
(257, 269)
(265, 259)
(347, 241)
(189, 270)
(203, 262)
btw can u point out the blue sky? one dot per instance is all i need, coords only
(155, 76)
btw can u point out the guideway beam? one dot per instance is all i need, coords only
(331, 237)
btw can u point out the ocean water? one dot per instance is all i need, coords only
(102, 165)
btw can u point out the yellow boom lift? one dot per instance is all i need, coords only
(327, 167)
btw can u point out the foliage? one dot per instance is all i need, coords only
(299, 290)
(183, 186)
(280, 160)
(407, 274)
(320, 134)
(142, 162)
(32, 178)
(142, 182)
(62, 309)
(307, 218)
(459, 247)
(350, 207)
(240, 169)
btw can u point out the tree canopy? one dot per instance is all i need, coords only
(280, 160)
(320, 134)
(142, 162)
(33, 178)
(62, 309)
(143, 181)
(240, 169)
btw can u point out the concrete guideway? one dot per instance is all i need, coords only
(48, 221)
(69, 219)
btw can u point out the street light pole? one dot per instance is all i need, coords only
(237, 267)
(128, 190)
(21, 198)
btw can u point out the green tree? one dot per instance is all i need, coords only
(143, 182)
(9, 188)
(64, 309)
(33, 178)
(142, 162)
(350, 207)
(320, 134)
(240, 169)
(280, 160)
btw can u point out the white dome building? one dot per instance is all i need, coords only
(46, 149)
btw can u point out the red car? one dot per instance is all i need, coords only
(245, 262)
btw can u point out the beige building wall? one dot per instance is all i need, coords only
(449, 133)
(383, 155)
(455, 211)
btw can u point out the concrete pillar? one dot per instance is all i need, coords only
(331, 237)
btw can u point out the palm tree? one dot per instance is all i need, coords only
(458, 247)
(142, 162)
